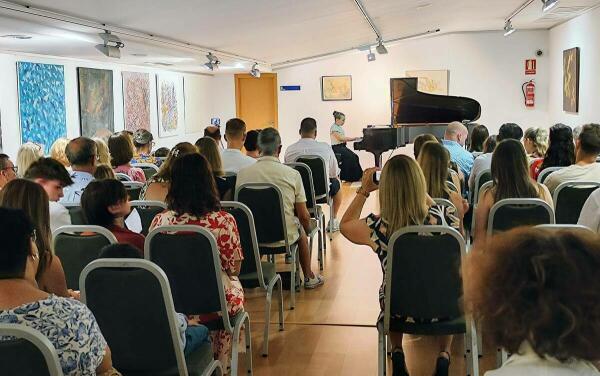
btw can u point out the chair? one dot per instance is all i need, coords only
(189, 257)
(437, 292)
(266, 204)
(569, 198)
(444, 202)
(76, 250)
(514, 212)
(122, 177)
(76, 213)
(112, 289)
(482, 178)
(487, 185)
(149, 169)
(452, 186)
(545, 172)
(255, 273)
(453, 174)
(134, 188)
(314, 210)
(147, 211)
(28, 354)
(231, 179)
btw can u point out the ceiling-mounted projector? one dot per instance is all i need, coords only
(112, 45)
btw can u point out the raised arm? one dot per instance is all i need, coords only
(352, 226)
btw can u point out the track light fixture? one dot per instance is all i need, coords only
(549, 4)
(508, 28)
(112, 45)
(255, 72)
(381, 48)
(371, 56)
(213, 61)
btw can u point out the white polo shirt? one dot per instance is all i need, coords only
(233, 160)
(309, 146)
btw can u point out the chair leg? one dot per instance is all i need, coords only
(244, 320)
(324, 233)
(293, 279)
(248, 346)
(471, 349)
(280, 287)
(265, 351)
(501, 357)
(381, 353)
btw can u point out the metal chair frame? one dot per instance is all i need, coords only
(517, 201)
(545, 172)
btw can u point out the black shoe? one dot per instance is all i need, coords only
(442, 365)
(399, 364)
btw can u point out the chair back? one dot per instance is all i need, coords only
(444, 202)
(189, 256)
(147, 211)
(423, 273)
(266, 203)
(514, 212)
(452, 186)
(76, 213)
(77, 250)
(545, 172)
(320, 178)
(307, 182)
(149, 169)
(131, 300)
(134, 188)
(122, 177)
(482, 178)
(230, 178)
(569, 198)
(28, 353)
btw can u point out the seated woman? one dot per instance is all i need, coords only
(560, 153)
(67, 323)
(210, 150)
(420, 140)
(121, 153)
(478, 135)
(510, 180)
(193, 200)
(57, 151)
(537, 295)
(404, 202)
(106, 203)
(156, 187)
(33, 200)
(350, 168)
(535, 141)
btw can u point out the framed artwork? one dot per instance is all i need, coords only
(96, 103)
(336, 88)
(571, 80)
(136, 100)
(431, 81)
(42, 116)
(169, 91)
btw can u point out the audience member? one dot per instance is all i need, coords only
(483, 161)
(57, 151)
(53, 177)
(560, 153)
(490, 144)
(161, 152)
(590, 213)
(193, 200)
(143, 141)
(576, 132)
(106, 203)
(308, 145)
(454, 140)
(8, 171)
(27, 154)
(68, 324)
(156, 187)
(536, 142)
(268, 169)
(510, 180)
(235, 135)
(32, 199)
(82, 154)
(404, 202)
(104, 172)
(537, 293)
(510, 130)
(420, 140)
(210, 150)
(213, 132)
(251, 143)
(103, 152)
(121, 152)
(479, 134)
(587, 148)
(350, 164)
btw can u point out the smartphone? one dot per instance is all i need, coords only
(376, 177)
(215, 122)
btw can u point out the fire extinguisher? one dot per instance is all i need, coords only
(529, 93)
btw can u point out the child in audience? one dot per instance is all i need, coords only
(104, 172)
(121, 152)
(192, 334)
(537, 295)
(103, 152)
(420, 140)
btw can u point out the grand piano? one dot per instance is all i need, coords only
(415, 113)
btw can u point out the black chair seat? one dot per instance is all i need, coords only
(272, 250)
(322, 200)
(250, 280)
(217, 324)
(196, 362)
(455, 326)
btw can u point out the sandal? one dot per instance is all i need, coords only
(399, 363)
(442, 364)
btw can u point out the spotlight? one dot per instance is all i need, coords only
(508, 28)
(381, 48)
(371, 56)
(213, 61)
(549, 4)
(255, 72)
(112, 45)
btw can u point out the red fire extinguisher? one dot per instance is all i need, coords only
(529, 93)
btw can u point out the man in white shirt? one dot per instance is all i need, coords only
(82, 153)
(308, 145)
(53, 177)
(587, 148)
(590, 213)
(232, 157)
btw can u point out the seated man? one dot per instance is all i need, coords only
(454, 140)
(268, 169)
(213, 132)
(587, 148)
(53, 177)
(307, 145)
(232, 157)
(251, 143)
(82, 154)
(8, 171)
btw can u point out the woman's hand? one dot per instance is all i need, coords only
(367, 180)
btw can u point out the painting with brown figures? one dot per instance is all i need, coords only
(96, 105)
(136, 100)
(571, 80)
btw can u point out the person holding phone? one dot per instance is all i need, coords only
(350, 164)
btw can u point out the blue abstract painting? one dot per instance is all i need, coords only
(42, 103)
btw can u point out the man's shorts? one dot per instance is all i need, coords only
(334, 186)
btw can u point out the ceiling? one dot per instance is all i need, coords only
(269, 31)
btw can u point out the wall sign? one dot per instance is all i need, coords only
(290, 88)
(530, 66)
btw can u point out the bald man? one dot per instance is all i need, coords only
(213, 132)
(454, 140)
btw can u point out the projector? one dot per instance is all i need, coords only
(109, 51)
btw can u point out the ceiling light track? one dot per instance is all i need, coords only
(368, 18)
(119, 30)
(508, 27)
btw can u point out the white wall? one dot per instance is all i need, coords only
(582, 32)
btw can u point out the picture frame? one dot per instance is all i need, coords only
(336, 88)
(571, 73)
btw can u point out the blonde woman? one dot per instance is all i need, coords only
(403, 201)
(27, 154)
(57, 151)
(536, 142)
(103, 152)
(210, 150)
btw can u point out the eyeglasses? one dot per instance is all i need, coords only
(14, 168)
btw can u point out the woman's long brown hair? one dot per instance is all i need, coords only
(510, 172)
(434, 160)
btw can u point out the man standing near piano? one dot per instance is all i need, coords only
(350, 164)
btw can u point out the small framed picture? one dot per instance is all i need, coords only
(336, 88)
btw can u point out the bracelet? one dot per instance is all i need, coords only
(361, 191)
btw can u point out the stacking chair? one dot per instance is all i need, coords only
(149, 169)
(76, 250)
(320, 183)
(132, 302)
(147, 211)
(76, 213)
(569, 198)
(189, 257)
(444, 202)
(451, 174)
(453, 187)
(29, 353)
(482, 178)
(134, 188)
(122, 177)
(255, 273)
(545, 172)
(423, 280)
(514, 212)
(316, 214)
(266, 204)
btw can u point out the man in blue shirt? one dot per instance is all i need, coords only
(454, 140)
(82, 154)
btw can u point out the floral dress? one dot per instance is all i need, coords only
(71, 328)
(222, 225)
(135, 173)
(437, 215)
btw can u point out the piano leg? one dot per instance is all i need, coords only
(377, 159)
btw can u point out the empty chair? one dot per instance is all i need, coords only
(482, 178)
(77, 246)
(122, 177)
(513, 212)
(569, 198)
(76, 213)
(149, 169)
(320, 183)
(133, 189)
(545, 172)
(147, 211)
(112, 288)
(28, 353)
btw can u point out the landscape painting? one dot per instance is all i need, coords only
(431, 81)
(170, 104)
(42, 116)
(336, 88)
(571, 80)
(96, 103)
(136, 100)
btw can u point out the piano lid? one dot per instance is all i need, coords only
(410, 106)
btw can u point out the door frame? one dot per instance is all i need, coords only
(239, 76)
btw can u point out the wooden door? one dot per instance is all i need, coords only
(256, 100)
